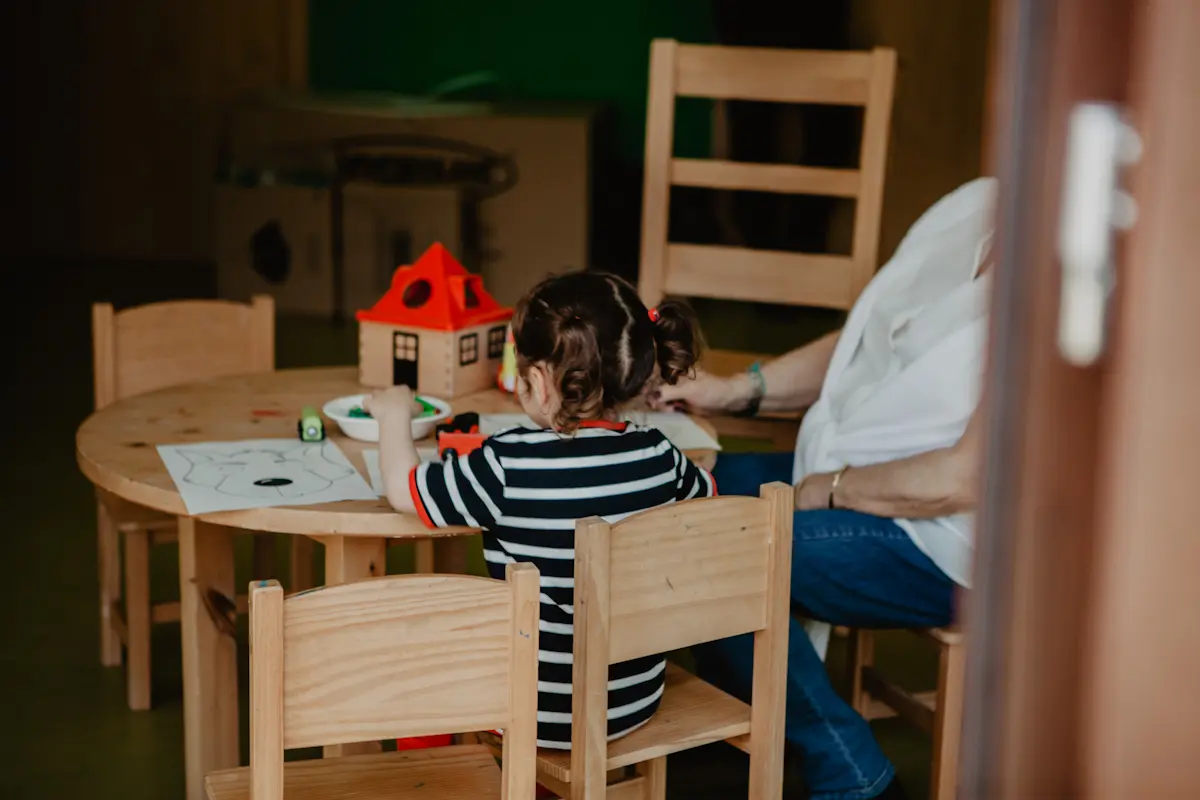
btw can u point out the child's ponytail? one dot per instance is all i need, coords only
(580, 373)
(677, 340)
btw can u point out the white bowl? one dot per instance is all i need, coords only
(366, 429)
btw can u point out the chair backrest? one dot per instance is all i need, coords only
(670, 578)
(785, 76)
(165, 344)
(408, 655)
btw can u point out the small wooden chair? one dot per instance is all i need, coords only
(140, 350)
(661, 581)
(400, 656)
(863, 79)
(938, 713)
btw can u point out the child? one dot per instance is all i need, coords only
(586, 348)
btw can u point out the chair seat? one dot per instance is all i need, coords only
(465, 772)
(692, 714)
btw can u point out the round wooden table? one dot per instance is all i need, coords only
(116, 450)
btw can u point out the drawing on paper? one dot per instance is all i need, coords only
(227, 476)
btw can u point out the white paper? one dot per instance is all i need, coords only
(371, 457)
(680, 429)
(260, 473)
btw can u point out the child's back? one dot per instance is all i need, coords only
(526, 488)
(586, 348)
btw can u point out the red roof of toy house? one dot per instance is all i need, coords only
(436, 293)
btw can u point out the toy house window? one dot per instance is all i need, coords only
(470, 299)
(496, 342)
(406, 346)
(468, 349)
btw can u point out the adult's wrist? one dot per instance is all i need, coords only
(743, 391)
(757, 391)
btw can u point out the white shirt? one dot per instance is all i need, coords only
(906, 373)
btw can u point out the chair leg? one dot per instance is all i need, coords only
(450, 555)
(947, 722)
(302, 563)
(862, 654)
(137, 620)
(108, 541)
(655, 773)
(263, 564)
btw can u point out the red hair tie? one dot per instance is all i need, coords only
(654, 315)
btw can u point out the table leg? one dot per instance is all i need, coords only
(210, 697)
(264, 556)
(302, 564)
(423, 561)
(347, 559)
(451, 556)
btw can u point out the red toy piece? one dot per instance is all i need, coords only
(425, 742)
(459, 434)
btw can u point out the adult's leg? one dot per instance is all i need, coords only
(847, 569)
(742, 474)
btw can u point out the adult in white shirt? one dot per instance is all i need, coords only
(885, 472)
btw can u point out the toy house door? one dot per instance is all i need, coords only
(406, 350)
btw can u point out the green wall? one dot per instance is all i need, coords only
(542, 50)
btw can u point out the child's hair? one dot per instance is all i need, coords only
(599, 342)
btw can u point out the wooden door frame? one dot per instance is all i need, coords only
(1141, 717)
(1026, 614)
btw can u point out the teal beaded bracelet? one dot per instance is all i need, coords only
(760, 390)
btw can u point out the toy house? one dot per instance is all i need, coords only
(436, 330)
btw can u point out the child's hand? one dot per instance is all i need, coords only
(398, 401)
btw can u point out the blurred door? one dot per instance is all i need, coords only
(1084, 638)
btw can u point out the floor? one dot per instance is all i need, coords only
(67, 731)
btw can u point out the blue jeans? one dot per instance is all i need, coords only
(847, 569)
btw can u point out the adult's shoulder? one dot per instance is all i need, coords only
(972, 202)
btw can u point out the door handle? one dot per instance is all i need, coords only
(1100, 144)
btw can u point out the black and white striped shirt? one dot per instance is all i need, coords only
(526, 488)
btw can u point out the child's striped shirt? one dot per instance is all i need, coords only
(525, 489)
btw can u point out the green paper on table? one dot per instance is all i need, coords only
(427, 410)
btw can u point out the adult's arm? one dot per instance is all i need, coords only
(793, 382)
(931, 484)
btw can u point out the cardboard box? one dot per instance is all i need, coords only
(276, 240)
(540, 226)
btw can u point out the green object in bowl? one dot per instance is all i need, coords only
(428, 410)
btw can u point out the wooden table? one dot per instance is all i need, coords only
(116, 450)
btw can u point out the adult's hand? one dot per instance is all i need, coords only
(706, 394)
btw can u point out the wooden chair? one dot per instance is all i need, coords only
(407, 655)
(661, 581)
(938, 713)
(863, 79)
(139, 350)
